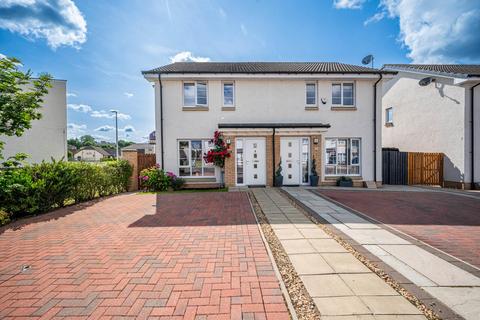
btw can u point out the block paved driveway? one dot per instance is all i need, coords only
(185, 256)
(443, 220)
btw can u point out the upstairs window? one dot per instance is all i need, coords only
(311, 94)
(228, 94)
(343, 94)
(195, 94)
(389, 116)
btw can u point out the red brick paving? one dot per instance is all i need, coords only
(445, 221)
(193, 256)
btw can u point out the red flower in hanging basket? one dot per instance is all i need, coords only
(219, 152)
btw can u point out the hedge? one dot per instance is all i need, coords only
(39, 188)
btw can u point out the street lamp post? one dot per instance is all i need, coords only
(116, 132)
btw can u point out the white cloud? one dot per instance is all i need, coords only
(105, 128)
(348, 4)
(375, 18)
(434, 33)
(128, 94)
(74, 130)
(109, 115)
(187, 56)
(79, 107)
(58, 21)
(244, 29)
(71, 94)
(2, 56)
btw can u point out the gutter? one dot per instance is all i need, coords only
(472, 137)
(161, 120)
(375, 127)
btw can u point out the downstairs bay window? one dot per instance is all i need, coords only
(190, 158)
(342, 157)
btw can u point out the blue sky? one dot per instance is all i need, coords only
(100, 47)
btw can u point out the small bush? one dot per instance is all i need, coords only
(38, 188)
(155, 179)
(4, 218)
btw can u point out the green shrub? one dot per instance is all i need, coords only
(155, 179)
(4, 218)
(38, 188)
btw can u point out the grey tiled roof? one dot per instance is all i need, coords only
(262, 67)
(465, 70)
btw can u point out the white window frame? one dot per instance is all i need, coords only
(354, 92)
(195, 86)
(349, 159)
(233, 93)
(387, 120)
(306, 94)
(189, 157)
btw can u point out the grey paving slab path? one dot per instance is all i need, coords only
(453, 286)
(340, 285)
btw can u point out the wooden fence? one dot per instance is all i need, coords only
(394, 167)
(139, 161)
(425, 168)
(145, 161)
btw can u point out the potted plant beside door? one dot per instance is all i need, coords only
(313, 174)
(218, 154)
(278, 175)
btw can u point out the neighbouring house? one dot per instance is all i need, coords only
(436, 116)
(147, 148)
(47, 138)
(270, 112)
(92, 153)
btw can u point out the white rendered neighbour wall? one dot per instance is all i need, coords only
(270, 101)
(48, 136)
(428, 119)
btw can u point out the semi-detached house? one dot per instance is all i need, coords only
(270, 112)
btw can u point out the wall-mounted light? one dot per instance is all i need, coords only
(324, 100)
(228, 141)
(315, 140)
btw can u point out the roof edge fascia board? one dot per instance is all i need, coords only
(173, 76)
(428, 73)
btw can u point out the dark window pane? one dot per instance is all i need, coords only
(201, 93)
(228, 94)
(336, 94)
(348, 94)
(188, 94)
(311, 93)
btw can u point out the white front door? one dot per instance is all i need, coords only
(255, 161)
(290, 153)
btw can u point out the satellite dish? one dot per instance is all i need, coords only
(426, 81)
(368, 59)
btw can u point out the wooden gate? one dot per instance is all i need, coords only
(145, 161)
(425, 168)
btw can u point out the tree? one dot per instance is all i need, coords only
(87, 140)
(20, 98)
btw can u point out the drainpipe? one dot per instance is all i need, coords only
(273, 156)
(472, 137)
(375, 128)
(161, 120)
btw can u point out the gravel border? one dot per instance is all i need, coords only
(303, 304)
(427, 312)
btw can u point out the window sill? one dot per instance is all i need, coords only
(389, 124)
(195, 108)
(232, 108)
(355, 177)
(311, 108)
(343, 108)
